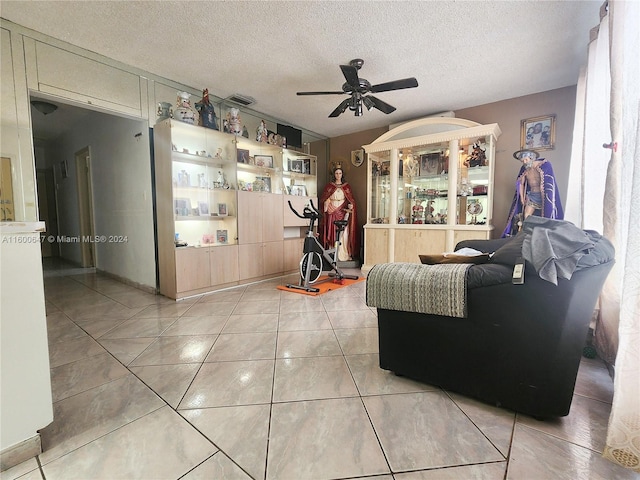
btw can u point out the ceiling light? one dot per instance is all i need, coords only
(356, 104)
(44, 108)
(367, 102)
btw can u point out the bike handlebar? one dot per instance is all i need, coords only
(310, 211)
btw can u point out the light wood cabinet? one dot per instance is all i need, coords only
(260, 234)
(223, 263)
(260, 217)
(250, 261)
(220, 220)
(410, 243)
(193, 271)
(376, 247)
(273, 257)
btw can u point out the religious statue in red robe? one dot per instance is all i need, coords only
(337, 203)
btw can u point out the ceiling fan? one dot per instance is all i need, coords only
(358, 88)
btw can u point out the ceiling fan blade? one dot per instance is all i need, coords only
(320, 93)
(380, 105)
(395, 85)
(351, 75)
(341, 108)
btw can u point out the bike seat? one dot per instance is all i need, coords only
(340, 223)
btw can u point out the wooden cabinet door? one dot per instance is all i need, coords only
(273, 259)
(250, 217)
(250, 261)
(272, 217)
(224, 264)
(410, 244)
(193, 270)
(292, 254)
(376, 246)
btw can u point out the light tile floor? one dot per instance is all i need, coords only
(253, 382)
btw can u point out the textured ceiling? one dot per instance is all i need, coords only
(463, 53)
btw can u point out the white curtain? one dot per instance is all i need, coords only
(622, 217)
(609, 204)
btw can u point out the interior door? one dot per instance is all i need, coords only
(85, 207)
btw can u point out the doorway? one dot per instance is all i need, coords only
(47, 208)
(85, 208)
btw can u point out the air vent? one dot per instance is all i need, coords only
(240, 99)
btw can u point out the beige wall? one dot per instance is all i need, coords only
(508, 114)
(340, 150)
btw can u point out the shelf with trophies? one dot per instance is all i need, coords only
(430, 185)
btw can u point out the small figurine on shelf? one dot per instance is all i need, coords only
(207, 111)
(183, 111)
(232, 123)
(478, 157)
(221, 180)
(164, 111)
(262, 133)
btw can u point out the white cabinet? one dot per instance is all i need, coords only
(69, 75)
(430, 185)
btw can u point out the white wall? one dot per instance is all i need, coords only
(122, 201)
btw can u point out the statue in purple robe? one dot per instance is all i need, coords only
(536, 192)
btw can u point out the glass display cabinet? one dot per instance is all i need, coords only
(299, 174)
(430, 185)
(204, 182)
(259, 166)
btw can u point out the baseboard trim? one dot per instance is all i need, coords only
(20, 452)
(126, 281)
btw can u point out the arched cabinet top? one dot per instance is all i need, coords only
(431, 130)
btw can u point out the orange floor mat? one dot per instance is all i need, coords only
(323, 286)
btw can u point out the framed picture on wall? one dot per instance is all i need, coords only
(243, 156)
(299, 190)
(295, 165)
(538, 133)
(203, 209)
(222, 236)
(264, 161)
(430, 164)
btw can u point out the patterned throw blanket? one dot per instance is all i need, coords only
(413, 287)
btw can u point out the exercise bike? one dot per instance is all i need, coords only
(313, 253)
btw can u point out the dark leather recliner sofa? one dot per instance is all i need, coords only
(519, 346)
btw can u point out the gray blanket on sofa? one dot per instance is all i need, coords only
(554, 247)
(413, 287)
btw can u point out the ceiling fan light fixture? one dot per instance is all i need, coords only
(367, 103)
(44, 108)
(359, 87)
